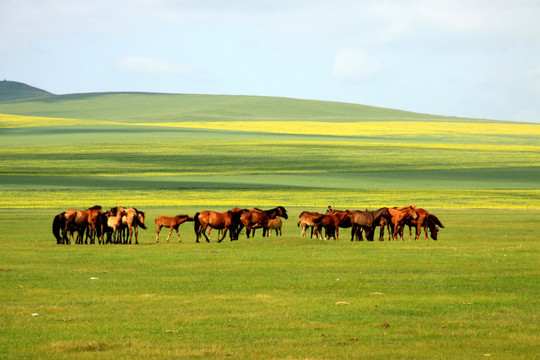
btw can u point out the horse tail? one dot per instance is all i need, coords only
(58, 221)
(435, 220)
(197, 222)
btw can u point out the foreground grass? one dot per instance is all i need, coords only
(474, 292)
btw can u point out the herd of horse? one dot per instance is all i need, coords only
(118, 224)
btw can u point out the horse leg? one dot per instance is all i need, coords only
(130, 233)
(381, 233)
(170, 232)
(178, 233)
(158, 229)
(136, 234)
(204, 233)
(224, 234)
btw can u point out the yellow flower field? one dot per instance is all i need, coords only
(364, 128)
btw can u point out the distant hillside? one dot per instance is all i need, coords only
(13, 90)
(20, 99)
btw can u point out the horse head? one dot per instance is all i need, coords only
(282, 212)
(412, 213)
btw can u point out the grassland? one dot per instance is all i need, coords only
(473, 294)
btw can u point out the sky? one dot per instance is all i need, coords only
(466, 58)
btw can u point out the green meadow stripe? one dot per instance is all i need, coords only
(309, 198)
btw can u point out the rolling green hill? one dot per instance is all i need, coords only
(174, 149)
(134, 107)
(13, 90)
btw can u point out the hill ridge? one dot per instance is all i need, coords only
(136, 106)
(14, 90)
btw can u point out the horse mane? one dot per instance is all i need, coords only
(182, 216)
(412, 206)
(95, 207)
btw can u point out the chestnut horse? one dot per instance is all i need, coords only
(424, 221)
(253, 216)
(309, 219)
(170, 223)
(227, 221)
(75, 220)
(399, 217)
(332, 221)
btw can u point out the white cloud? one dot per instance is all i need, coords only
(352, 64)
(144, 65)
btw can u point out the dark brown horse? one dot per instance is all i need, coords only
(254, 216)
(399, 217)
(58, 226)
(425, 221)
(367, 221)
(171, 223)
(226, 221)
(309, 219)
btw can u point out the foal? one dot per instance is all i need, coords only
(171, 223)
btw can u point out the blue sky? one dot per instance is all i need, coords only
(471, 58)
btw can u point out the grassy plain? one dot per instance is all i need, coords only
(473, 294)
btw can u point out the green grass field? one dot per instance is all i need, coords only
(472, 294)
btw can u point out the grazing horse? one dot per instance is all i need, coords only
(309, 219)
(367, 220)
(399, 217)
(332, 222)
(269, 225)
(227, 221)
(170, 223)
(253, 216)
(424, 221)
(132, 219)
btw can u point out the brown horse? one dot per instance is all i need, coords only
(114, 224)
(309, 219)
(170, 223)
(367, 220)
(332, 221)
(132, 220)
(97, 222)
(226, 221)
(77, 220)
(424, 221)
(399, 217)
(269, 225)
(253, 216)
